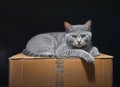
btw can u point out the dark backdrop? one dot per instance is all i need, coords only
(20, 20)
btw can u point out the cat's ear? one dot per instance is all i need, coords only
(89, 23)
(67, 26)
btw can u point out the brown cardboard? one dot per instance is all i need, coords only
(26, 71)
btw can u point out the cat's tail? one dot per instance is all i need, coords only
(28, 53)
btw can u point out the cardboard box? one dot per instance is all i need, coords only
(26, 71)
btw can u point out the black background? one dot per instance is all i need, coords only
(20, 20)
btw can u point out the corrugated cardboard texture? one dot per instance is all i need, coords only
(25, 71)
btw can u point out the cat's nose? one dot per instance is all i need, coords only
(79, 42)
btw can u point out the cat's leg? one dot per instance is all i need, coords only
(94, 51)
(78, 53)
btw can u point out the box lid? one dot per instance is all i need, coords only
(22, 56)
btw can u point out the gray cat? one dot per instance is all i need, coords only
(75, 42)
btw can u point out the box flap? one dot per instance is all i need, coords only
(22, 56)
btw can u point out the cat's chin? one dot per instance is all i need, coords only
(79, 46)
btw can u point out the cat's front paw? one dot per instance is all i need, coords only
(94, 51)
(90, 59)
(87, 56)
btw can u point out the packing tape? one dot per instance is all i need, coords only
(59, 72)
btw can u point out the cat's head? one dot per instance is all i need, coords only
(78, 35)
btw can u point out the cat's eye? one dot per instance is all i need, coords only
(83, 35)
(75, 36)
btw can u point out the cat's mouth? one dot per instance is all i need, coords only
(79, 46)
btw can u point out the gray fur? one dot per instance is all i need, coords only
(76, 42)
